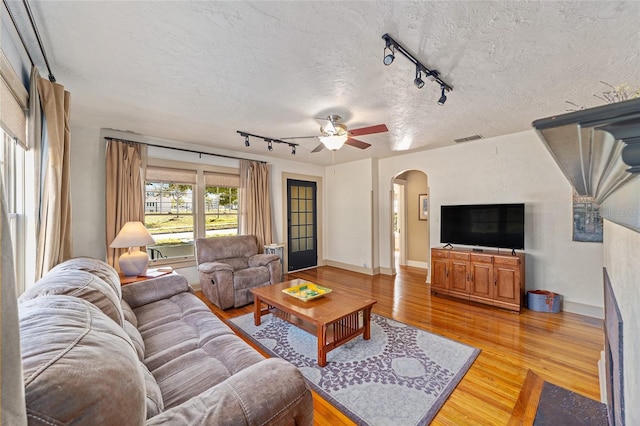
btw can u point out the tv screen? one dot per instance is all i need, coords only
(487, 225)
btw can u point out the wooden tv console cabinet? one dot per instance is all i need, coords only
(490, 277)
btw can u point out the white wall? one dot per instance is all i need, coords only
(509, 169)
(621, 246)
(349, 216)
(88, 176)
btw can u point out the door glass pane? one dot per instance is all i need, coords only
(294, 192)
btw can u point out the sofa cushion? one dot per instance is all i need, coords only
(155, 404)
(251, 278)
(79, 365)
(94, 266)
(237, 263)
(213, 249)
(189, 350)
(136, 339)
(82, 284)
(127, 311)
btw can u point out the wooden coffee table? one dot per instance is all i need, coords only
(334, 318)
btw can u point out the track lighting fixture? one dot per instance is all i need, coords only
(388, 57)
(269, 141)
(443, 97)
(418, 81)
(432, 75)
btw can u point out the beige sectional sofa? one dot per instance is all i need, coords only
(151, 352)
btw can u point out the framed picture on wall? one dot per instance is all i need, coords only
(423, 207)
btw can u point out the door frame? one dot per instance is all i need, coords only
(319, 215)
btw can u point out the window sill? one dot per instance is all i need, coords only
(175, 263)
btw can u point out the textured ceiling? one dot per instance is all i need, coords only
(198, 71)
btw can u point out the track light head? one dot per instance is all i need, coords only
(246, 140)
(443, 97)
(270, 145)
(388, 59)
(293, 149)
(418, 81)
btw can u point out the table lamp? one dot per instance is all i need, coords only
(132, 236)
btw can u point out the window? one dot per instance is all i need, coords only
(221, 204)
(186, 202)
(16, 165)
(12, 165)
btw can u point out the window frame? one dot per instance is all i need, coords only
(198, 201)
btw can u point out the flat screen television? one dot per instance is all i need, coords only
(486, 225)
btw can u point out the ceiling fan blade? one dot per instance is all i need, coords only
(378, 128)
(298, 137)
(318, 148)
(358, 144)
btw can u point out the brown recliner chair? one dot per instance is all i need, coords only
(229, 267)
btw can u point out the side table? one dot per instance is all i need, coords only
(279, 250)
(151, 273)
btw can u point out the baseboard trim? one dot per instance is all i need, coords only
(417, 264)
(583, 309)
(353, 268)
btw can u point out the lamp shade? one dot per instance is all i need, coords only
(334, 142)
(132, 234)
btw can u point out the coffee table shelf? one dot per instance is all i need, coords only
(334, 319)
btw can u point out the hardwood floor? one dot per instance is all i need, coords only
(561, 348)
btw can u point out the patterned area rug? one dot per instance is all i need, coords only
(401, 376)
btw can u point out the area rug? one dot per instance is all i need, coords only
(401, 376)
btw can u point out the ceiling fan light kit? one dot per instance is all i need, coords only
(432, 75)
(333, 142)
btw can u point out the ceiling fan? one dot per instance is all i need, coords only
(334, 134)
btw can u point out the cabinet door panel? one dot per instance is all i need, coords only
(439, 273)
(507, 284)
(482, 280)
(459, 277)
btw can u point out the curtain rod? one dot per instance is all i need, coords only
(183, 150)
(35, 31)
(15, 25)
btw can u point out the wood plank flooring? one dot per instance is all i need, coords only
(561, 348)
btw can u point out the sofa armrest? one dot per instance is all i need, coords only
(262, 259)
(154, 289)
(211, 267)
(269, 392)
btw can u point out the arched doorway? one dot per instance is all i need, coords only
(410, 217)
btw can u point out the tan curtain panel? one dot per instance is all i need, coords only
(255, 201)
(124, 191)
(54, 235)
(34, 136)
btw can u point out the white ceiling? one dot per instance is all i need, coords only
(198, 71)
